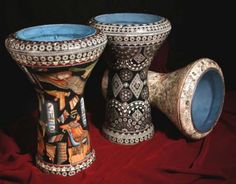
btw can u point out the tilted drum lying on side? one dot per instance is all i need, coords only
(191, 97)
(58, 59)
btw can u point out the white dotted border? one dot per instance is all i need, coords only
(66, 170)
(185, 99)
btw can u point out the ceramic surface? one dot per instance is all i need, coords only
(133, 40)
(192, 97)
(58, 59)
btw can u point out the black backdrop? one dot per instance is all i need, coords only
(200, 29)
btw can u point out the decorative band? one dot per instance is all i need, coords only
(138, 39)
(129, 138)
(160, 26)
(56, 53)
(188, 89)
(66, 170)
(76, 58)
(18, 45)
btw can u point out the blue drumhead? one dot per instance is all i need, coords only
(55, 32)
(207, 100)
(128, 18)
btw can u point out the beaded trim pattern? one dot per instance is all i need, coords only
(159, 26)
(56, 53)
(123, 117)
(176, 100)
(134, 34)
(185, 99)
(128, 138)
(66, 170)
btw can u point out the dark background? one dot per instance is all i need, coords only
(199, 29)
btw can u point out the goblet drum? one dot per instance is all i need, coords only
(58, 59)
(191, 97)
(133, 39)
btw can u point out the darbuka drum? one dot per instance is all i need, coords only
(133, 39)
(191, 97)
(58, 59)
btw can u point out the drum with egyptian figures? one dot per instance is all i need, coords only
(58, 59)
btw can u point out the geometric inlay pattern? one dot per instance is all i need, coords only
(145, 93)
(126, 75)
(116, 85)
(125, 95)
(136, 85)
(137, 115)
(139, 58)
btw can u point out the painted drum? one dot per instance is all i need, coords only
(58, 59)
(133, 39)
(191, 97)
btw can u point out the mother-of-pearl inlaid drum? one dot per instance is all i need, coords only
(191, 97)
(133, 39)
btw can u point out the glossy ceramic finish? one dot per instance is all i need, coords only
(58, 59)
(133, 40)
(192, 97)
(31, 51)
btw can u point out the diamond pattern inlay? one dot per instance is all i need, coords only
(136, 85)
(139, 58)
(137, 115)
(116, 85)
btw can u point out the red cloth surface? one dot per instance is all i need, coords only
(167, 158)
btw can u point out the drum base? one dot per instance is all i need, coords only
(127, 138)
(67, 169)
